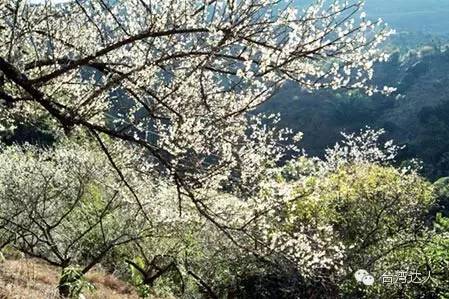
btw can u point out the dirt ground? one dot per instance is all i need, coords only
(28, 278)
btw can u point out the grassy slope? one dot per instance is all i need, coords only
(27, 278)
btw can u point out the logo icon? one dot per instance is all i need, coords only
(364, 277)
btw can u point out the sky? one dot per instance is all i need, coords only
(429, 16)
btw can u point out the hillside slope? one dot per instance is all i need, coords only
(28, 278)
(416, 115)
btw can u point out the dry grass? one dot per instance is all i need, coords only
(110, 282)
(28, 278)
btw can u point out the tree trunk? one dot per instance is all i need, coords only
(65, 284)
(64, 287)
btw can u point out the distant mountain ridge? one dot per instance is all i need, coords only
(416, 116)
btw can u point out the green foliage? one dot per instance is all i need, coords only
(428, 256)
(442, 192)
(377, 212)
(75, 282)
(137, 280)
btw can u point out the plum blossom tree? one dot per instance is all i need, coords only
(68, 207)
(178, 81)
(350, 210)
(65, 206)
(179, 78)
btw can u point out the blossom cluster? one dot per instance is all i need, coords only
(180, 77)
